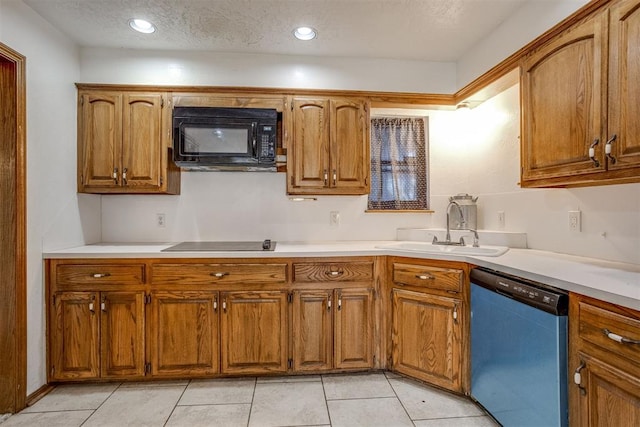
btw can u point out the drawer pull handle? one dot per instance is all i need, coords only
(424, 277)
(577, 378)
(219, 275)
(334, 273)
(619, 338)
(100, 275)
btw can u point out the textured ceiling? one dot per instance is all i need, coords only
(431, 30)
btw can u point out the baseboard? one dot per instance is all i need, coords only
(39, 394)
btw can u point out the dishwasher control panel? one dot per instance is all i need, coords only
(526, 291)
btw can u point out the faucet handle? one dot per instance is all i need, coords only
(462, 243)
(435, 239)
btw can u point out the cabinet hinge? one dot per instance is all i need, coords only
(53, 370)
(147, 368)
(290, 297)
(162, 103)
(82, 100)
(53, 299)
(290, 363)
(161, 180)
(147, 299)
(292, 106)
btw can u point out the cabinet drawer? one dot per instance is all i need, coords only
(447, 279)
(333, 272)
(74, 274)
(207, 274)
(604, 329)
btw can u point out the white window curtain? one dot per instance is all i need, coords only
(398, 164)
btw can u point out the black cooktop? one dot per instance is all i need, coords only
(266, 245)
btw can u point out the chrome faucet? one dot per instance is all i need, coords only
(447, 240)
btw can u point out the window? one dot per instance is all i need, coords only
(398, 164)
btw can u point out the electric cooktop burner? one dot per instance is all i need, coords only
(266, 245)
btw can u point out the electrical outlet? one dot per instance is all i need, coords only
(575, 221)
(334, 218)
(161, 220)
(501, 220)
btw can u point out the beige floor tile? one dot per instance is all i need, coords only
(424, 402)
(73, 398)
(150, 406)
(288, 404)
(356, 386)
(162, 383)
(210, 415)
(291, 379)
(218, 391)
(483, 421)
(382, 412)
(48, 419)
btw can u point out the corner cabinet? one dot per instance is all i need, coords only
(429, 323)
(604, 347)
(124, 141)
(329, 152)
(579, 103)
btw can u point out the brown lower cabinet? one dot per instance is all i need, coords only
(97, 334)
(254, 332)
(184, 330)
(332, 329)
(429, 325)
(604, 348)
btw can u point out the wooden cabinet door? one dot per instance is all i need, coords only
(74, 336)
(122, 326)
(100, 140)
(310, 165)
(350, 146)
(611, 398)
(312, 330)
(353, 331)
(184, 333)
(624, 84)
(426, 338)
(563, 88)
(142, 140)
(254, 329)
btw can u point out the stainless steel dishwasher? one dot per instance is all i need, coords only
(519, 349)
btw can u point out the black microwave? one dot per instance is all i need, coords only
(225, 139)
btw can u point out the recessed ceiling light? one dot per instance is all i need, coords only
(305, 33)
(142, 25)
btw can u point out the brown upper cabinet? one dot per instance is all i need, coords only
(123, 143)
(579, 103)
(329, 152)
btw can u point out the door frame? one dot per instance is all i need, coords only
(13, 224)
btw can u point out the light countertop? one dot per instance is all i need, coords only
(614, 282)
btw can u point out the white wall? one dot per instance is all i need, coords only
(234, 69)
(56, 216)
(530, 21)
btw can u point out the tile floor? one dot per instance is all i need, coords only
(371, 399)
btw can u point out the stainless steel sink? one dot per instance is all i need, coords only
(427, 247)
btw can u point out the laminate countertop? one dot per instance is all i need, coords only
(614, 282)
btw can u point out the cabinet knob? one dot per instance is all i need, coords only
(100, 275)
(334, 273)
(219, 275)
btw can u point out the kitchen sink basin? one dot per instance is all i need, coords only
(426, 247)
